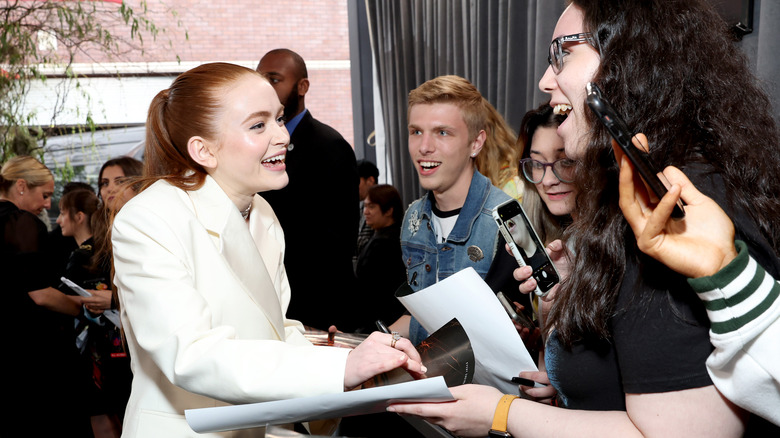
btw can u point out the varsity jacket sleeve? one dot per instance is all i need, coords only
(743, 306)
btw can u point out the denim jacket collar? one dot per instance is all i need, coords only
(475, 202)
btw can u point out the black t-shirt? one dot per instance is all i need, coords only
(659, 332)
(659, 342)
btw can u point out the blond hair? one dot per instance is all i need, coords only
(500, 154)
(498, 158)
(26, 168)
(453, 90)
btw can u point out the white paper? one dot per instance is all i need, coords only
(364, 401)
(499, 352)
(75, 287)
(111, 315)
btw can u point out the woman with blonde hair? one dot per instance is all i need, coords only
(41, 358)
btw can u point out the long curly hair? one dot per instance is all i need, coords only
(671, 68)
(499, 156)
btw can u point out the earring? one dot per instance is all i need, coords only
(22, 192)
(473, 154)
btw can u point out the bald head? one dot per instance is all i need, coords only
(297, 64)
(287, 73)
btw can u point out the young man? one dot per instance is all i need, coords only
(451, 227)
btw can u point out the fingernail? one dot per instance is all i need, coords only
(424, 369)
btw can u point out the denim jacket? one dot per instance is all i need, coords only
(472, 241)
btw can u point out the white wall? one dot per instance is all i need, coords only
(111, 100)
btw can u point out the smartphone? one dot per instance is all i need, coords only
(622, 135)
(525, 244)
(519, 318)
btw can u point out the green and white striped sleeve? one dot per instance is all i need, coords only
(737, 296)
(744, 309)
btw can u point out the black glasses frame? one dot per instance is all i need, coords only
(555, 55)
(544, 165)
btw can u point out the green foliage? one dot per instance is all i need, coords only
(79, 27)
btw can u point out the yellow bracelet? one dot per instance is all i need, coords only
(500, 418)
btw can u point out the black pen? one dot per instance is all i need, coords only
(382, 327)
(525, 382)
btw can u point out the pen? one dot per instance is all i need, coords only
(525, 382)
(381, 326)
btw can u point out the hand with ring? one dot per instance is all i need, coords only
(396, 337)
(380, 353)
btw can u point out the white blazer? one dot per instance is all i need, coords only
(203, 301)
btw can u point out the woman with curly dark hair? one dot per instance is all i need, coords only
(629, 338)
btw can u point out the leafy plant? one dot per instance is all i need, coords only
(39, 36)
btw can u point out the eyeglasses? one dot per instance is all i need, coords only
(555, 57)
(534, 170)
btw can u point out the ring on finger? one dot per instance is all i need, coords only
(396, 337)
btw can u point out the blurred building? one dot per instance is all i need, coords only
(117, 92)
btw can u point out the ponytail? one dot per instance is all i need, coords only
(189, 107)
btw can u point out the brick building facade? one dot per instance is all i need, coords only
(238, 31)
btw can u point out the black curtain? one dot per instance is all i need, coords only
(500, 46)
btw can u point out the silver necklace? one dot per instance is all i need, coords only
(245, 213)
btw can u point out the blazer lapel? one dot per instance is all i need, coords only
(244, 255)
(269, 247)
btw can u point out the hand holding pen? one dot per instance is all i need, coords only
(380, 325)
(536, 385)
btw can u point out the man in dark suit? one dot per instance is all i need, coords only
(317, 208)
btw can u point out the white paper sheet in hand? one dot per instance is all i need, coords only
(364, 401)
(499, 352)
(111, 315)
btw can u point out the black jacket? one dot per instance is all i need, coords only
(317, 213)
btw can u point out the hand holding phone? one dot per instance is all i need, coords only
(518, 317)
(525, 245)
(622, 135)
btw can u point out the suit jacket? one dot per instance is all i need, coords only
(203, 299)
(317, 213)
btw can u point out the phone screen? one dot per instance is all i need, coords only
(526, 245)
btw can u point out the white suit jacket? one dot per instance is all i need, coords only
(203, 299)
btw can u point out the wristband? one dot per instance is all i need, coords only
(498, 429)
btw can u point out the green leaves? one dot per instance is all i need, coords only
(35, 34)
